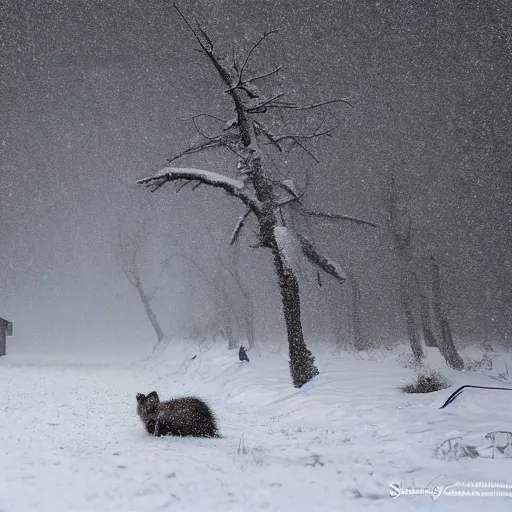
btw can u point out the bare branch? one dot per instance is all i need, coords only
(265, 75)
(205, 35)
(198, 130)
(233, 187)
(181, 185)
(260, 108)
(307, 107)
(238, 227)
(235, 61)
(306, 150)
(328, 266)
(201, 43)
(268, 134)
(250, 52)
(252, 79)
(212, 282)
(274, 140)
(335, 216)
(132, 278)
(196, 149)
(306, 136)
(289, 186)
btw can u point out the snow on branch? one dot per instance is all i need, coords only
(288, 247)
(183, 173)
(328, 266)
(293, 246)
(232, 186)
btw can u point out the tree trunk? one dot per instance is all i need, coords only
(400, 224)
(146, 301)
(407, 297)
(412, 332)
(426, 318)
(446, 345)
(302, 361)
(360, 343)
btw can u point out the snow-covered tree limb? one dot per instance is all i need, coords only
(232, 186)
(328, 266)
(292, 244)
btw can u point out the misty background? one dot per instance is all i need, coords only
(97, 94)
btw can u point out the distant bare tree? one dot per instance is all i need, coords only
(445, 340)
(130, 248)
(244, 136)
(429, 336)
(400, 226)
(413, 292)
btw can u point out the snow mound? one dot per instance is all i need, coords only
(335, 444)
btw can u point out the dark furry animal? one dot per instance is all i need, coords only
(187, 416)
(242, 354)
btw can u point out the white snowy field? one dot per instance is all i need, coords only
(70, 439)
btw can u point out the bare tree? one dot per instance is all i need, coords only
(400, 226)
(412, 291)
(130, 247)
(223, 303)
(429, 336)
(258, 191)
(230, 266)
(445, 340)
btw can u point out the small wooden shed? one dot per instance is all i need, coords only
(5, 330)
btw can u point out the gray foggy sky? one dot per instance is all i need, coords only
(96, 94)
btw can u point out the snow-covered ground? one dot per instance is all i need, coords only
(70, 439)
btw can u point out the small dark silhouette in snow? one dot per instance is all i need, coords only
(242, 354)
(187, 416)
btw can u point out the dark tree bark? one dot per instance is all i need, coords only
(302, 361)
(400, 225)
(410, 321)
(446, 345)
(146, 302)
(429, 336)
